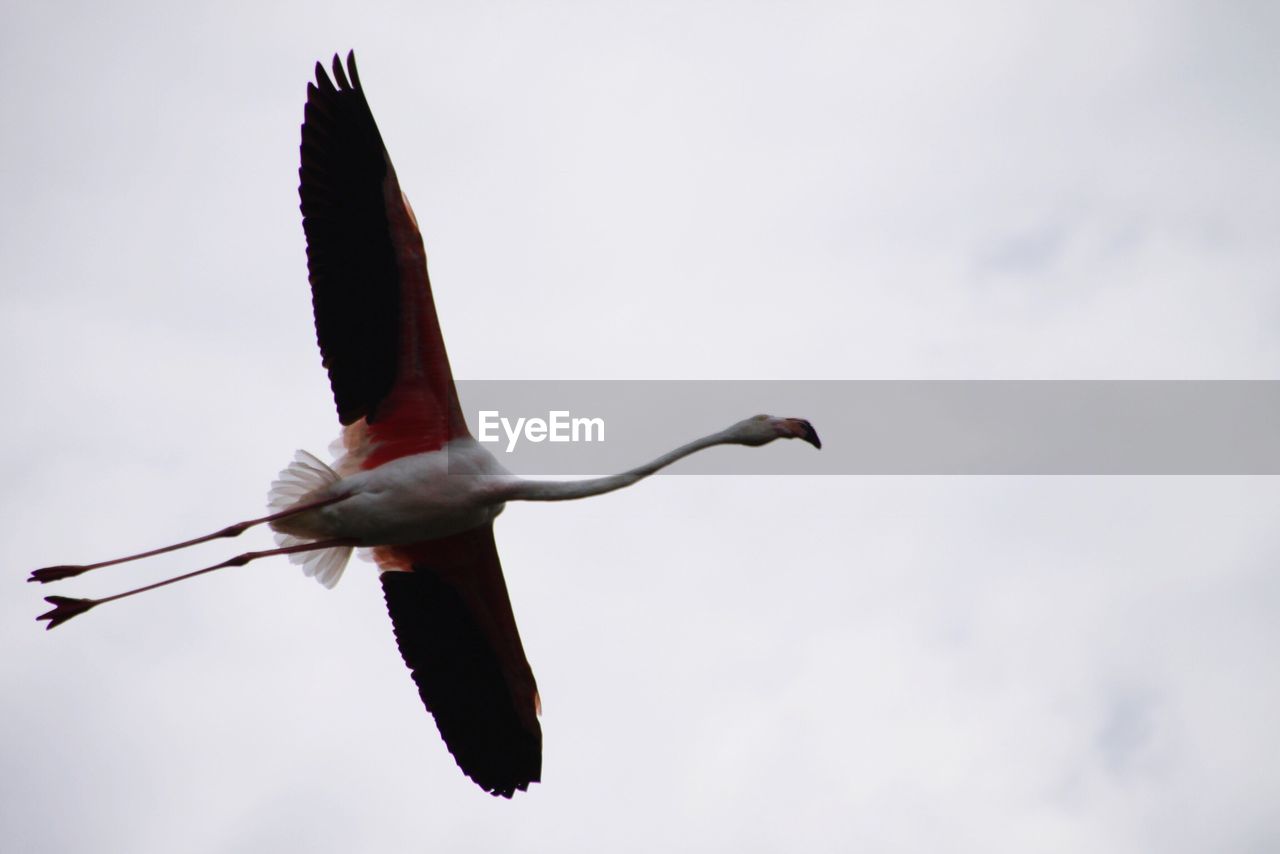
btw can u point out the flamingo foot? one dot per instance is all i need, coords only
(56, 573)
(64, 608)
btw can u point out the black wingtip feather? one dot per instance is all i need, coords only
(461, 682)
(339, 75)
(351, 69)
(352, 261)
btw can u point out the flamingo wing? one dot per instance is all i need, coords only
(375, 319)
(380, 340)
(456, 632)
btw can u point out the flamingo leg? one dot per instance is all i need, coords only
(66, 607)
(57, 573)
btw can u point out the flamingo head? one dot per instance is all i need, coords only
(763, 429)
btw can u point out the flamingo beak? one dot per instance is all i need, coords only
(802, 429)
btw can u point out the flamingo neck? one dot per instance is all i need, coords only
(565, 490)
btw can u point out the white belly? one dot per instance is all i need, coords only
(414, 498)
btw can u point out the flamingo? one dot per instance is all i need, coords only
(410, 483)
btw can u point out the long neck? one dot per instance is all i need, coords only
(564, 490)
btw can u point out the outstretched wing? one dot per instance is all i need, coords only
(375, 319)
(456, 632)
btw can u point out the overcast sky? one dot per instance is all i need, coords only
(645, 191)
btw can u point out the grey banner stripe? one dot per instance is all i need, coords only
(899, 427)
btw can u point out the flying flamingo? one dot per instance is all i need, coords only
(412, 485)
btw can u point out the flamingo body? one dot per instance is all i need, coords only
(406, 500)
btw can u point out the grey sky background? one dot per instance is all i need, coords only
(609, 191)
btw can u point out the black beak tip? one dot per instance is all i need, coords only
(809, 434)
